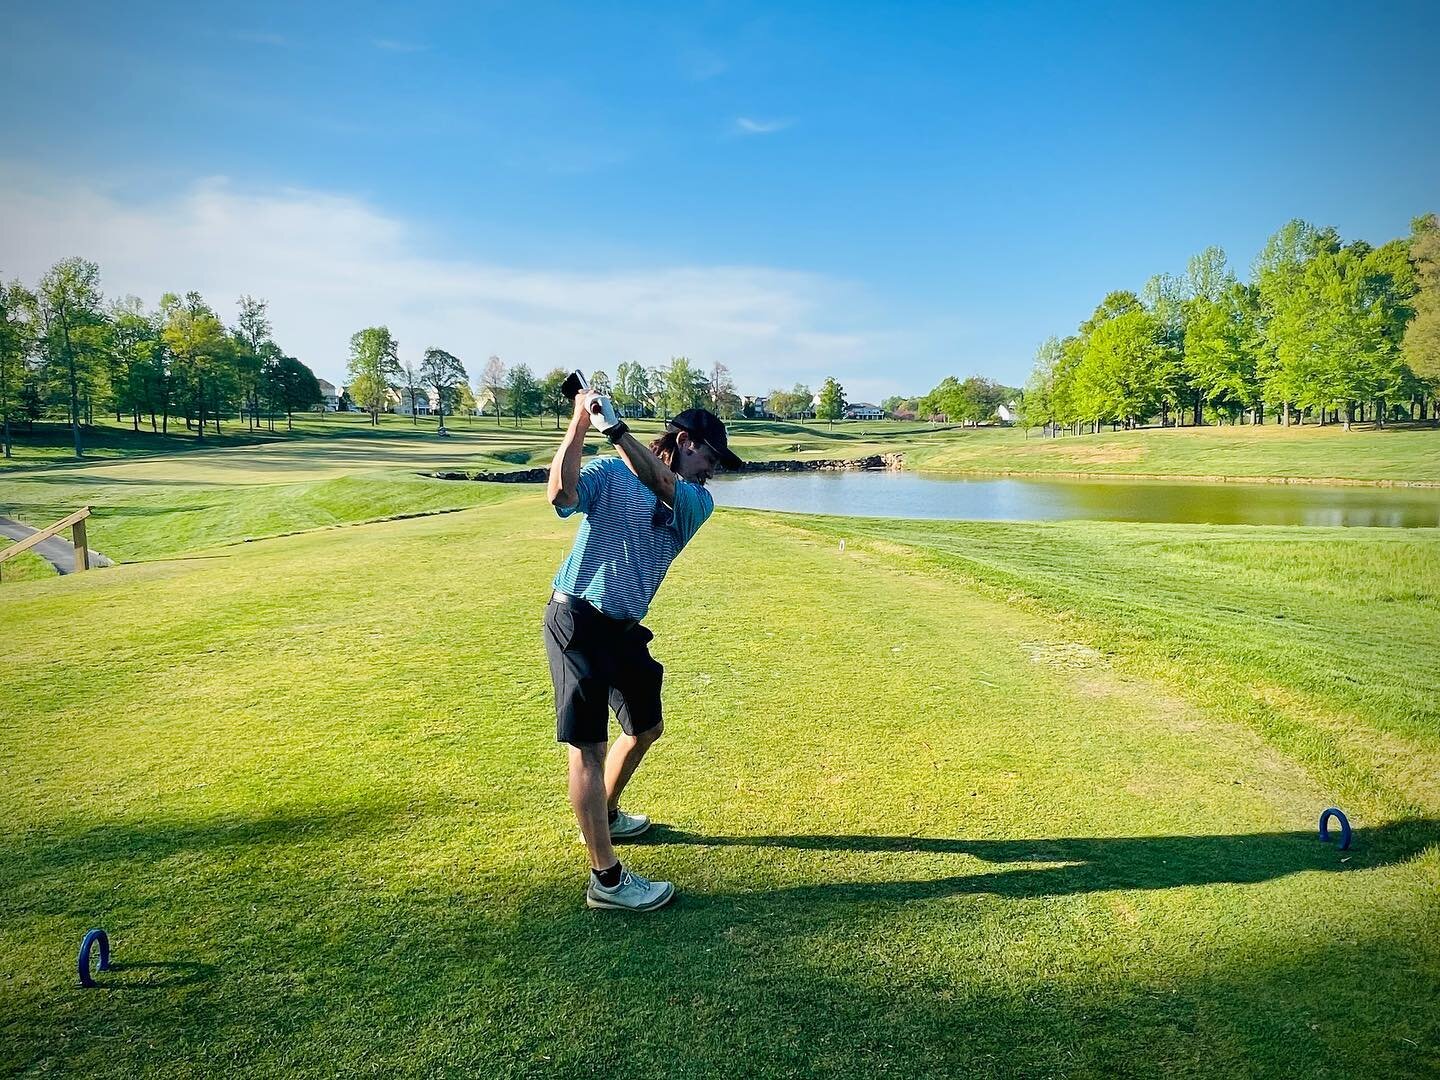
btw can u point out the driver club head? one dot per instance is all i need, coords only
(574, 383)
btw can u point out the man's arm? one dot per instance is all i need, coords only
(649, 469)
(564, 484)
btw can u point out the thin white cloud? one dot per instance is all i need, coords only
(392, 45)
(331, 264)
(745, 125)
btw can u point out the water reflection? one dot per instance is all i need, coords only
(913, 495)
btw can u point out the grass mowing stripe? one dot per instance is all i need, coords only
(1323, 638)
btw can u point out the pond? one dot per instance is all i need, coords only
(916, 495)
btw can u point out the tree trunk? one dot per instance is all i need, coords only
(7, 433)
(1199, 413)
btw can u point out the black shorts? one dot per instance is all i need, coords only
(597, 664)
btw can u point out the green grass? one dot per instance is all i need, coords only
(920, 826)
(1321, 639)
(1268, 451)
(27, 566)
(335, 471)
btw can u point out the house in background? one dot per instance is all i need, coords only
(862, 410)
(329, 396)
(426, 401)
(1009, 413)
(489, 401)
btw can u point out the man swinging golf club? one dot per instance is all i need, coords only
(640, 509)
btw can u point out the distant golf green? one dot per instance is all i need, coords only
(960, 798)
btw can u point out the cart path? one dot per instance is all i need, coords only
(58, 551)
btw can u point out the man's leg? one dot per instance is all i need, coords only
(587, 799)
(635, 697)
(623, 759)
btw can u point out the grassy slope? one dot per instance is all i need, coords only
(918, 829)
(27, 566)
(1265, 451)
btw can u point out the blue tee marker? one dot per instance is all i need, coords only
(85, 946)
(1344, 826)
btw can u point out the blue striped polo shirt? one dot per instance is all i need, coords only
(628, 539)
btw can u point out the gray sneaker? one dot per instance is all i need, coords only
(624, 827)
(634, 893)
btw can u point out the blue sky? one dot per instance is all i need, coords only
(886, 192)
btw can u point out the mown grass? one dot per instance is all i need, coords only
(337, 470)
(1394, 453)
(27, 566)
(1322, 639)
(309, 786)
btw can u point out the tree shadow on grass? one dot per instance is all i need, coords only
(1089, 864)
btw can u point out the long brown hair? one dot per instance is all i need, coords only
(666, 446)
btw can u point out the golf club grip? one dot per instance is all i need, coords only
(573, 384)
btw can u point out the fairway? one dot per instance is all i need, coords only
(921, 825)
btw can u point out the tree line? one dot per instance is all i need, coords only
(515, 391)
(1323, 331)
(66, 350)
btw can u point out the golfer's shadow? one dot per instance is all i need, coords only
(1090, 864)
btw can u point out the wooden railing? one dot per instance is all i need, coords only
(75, 522)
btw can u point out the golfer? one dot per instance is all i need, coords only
(640, 509)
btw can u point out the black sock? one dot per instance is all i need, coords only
(613, 815)
(609, 878)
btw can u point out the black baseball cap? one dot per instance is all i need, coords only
(704, 426)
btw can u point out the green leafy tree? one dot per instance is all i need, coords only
(17, 341)
(943, 400)
(1286, 360)
(31, 401)
(684, 387)
(1039, 401)
(1123, 371)
(72, 326)
(1164, 297)
(443, 372)
(522, 391)
(832, 401)
(136, 361)
(299, 389)
(552, 396)
(1220, 359)
(200, 349)
(1421, 343)
(979, 398)
(373, 367)
(600, 383)
(252, 330)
